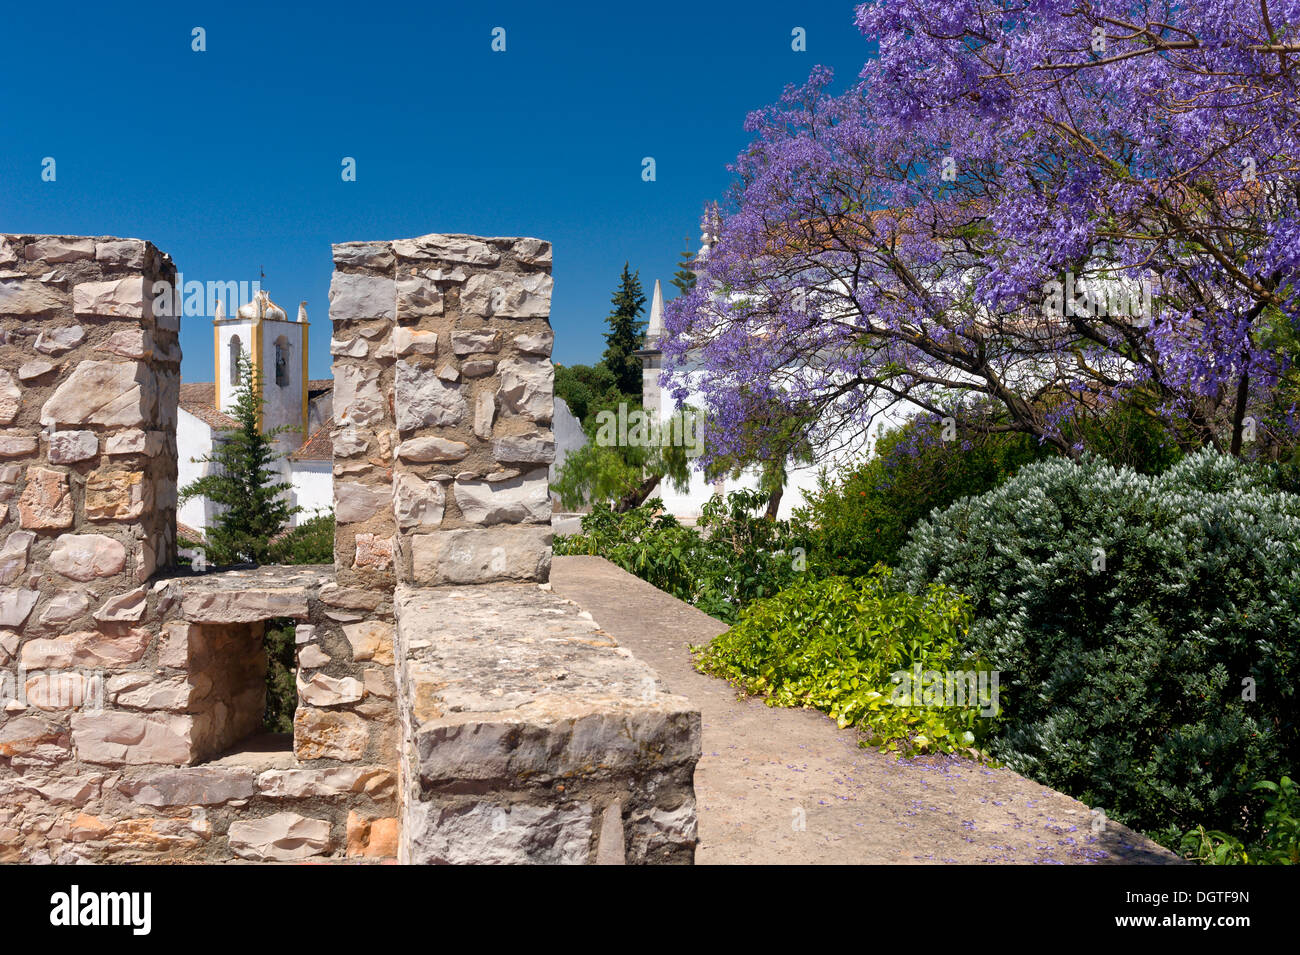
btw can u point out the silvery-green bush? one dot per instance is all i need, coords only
(1147, 629)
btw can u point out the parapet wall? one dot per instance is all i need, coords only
(450, 709)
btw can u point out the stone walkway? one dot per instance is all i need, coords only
(766, 770)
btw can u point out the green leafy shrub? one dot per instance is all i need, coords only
(1146, 628)
(863, 519)
(729, 560)
(841, 645)
(281, 667)
(1279, 840)
(311, 542)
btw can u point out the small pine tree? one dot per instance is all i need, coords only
(254, 505)
(626, 332)
(684, 277)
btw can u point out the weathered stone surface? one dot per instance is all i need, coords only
(129, 606)
(119, 394)
(16, 445)
(11, 397)
(371, 838)
(464, 249)
(414, 341)
(476, 341)
(122, 298)
(174, 693)
(113, 494)
(310, 657)
(348, 442)
(13, 555)
(526, 388)
(485, 833)
(351, 348)
(374, 781)
(369, 255)
(129, 343)
(448, 372)
(24, 735)
(532, 252)
(373, 552)
(328, 734)
(322, 690)
(539, 344)
(417, 296)
(472, 556)
(135, 441)
(60, 248)
(243, 606)
(426, 450)
(116, 738)
(16, 606)
(350, 598)
(485, 411)
(354, 503)
(87, 556)
(28, 297)
(362, 296)
(7, 254)
(199, 786)
(423, 400)
(55, 341)
(89, 648)
(507, 295)
(524, 449)
(65, 606)
(371, 640)
(46, 501)
(417, 502)
(121, 253)
(522, 500)
(281, 837)
(65, 790)
(358, 399)
(30, 370)
(479, 368)
(69, 447)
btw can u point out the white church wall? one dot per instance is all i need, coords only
(193, 440)
(313, 488)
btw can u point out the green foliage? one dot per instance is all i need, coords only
(732, 559)
(311, 542)
(842, 645)
(684, 278)
(1279, 840)
(254, 504)
(626, 333)
(281, 666)
(863, 519)
(1127, 614)
(587, 388)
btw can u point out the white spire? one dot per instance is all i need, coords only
(220, 314)
(302, 312)
(655, 329)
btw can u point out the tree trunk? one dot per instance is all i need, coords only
(774, 504)
(637, 496)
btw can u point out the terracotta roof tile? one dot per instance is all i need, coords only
(199, 399)
(319, 447)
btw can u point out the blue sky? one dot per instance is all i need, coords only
(230, 159)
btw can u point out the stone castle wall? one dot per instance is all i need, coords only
(450, 709)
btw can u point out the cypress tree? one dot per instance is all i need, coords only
(684, 278)
(254, 504)
(626, 333)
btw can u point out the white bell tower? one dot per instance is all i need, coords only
(277, 347)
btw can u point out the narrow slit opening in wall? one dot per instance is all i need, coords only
(251, 670)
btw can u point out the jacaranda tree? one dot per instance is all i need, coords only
(1020, 213)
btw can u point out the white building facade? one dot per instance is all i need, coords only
(276, 346)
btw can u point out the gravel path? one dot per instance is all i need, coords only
(765, 770)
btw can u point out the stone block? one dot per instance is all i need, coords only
(474, 556)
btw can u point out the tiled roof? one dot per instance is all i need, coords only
(189, 533)
(320, 384)
(319, 447)
(199, 399)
